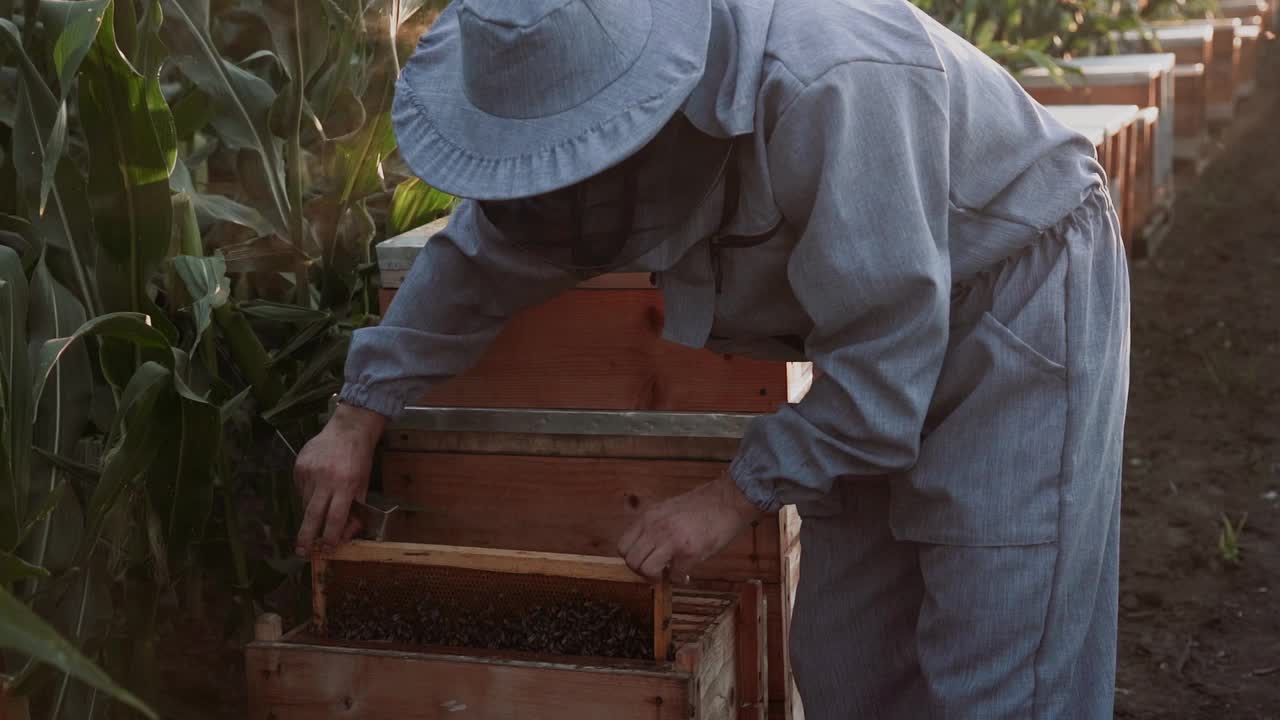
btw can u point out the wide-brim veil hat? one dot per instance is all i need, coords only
(513, 98)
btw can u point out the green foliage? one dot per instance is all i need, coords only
(1021, 34)
(23, 630)
(190, 191)
(1229, 539)
(189, 196)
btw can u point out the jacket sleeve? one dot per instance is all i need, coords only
(454, 301)
(858, 163)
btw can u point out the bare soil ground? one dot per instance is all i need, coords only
(1199, 633)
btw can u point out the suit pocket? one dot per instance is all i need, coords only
(990, 463)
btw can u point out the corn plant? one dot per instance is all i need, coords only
(1021, 34)
(188, 200)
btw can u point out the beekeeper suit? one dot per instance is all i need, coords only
(840, 181)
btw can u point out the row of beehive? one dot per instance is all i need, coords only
(1155, 106)
(580, 416)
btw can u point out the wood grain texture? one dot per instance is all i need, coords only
(1142, 94)
(753, 655)
(602, 349)
(1190, 109)
(304, 682)
(595, 446)
(551, 504)
(499, 560)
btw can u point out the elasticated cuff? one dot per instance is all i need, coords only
(760, 493)
(383, 401)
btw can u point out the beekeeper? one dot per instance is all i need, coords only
(840, 181)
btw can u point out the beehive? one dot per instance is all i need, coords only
(1117, 126)
(1142, 80)
(1192, 47)
(1246, 9)
(1250, 40)
(1191, 119)
(305, 676)
(597, 347)
(466, 591)
(1224, 66)
(571, 482)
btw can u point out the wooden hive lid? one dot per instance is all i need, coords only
(1110, 119)
(1174, 35)
(1138, 62)
(1260, 6)
(1095, 133)
(1092, 75)
(1214, 23)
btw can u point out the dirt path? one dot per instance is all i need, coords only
(1200, 635)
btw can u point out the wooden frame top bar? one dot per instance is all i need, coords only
(520, 562)
(1192, 70)
(574, 422)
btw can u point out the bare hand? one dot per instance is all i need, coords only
(333, 470)
(681, 532)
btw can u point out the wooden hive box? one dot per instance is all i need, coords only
(1191, 119)
(596, 347)
(1192, 47)
(302, 676)
(1250, 45)
(571, 482)
(1246, 9)
(1141, 80)
(1118, 125)
(1190, 44)
(1224, 66)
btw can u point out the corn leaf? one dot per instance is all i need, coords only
(148, 402)
(281, 312)
(133, 148)
(24, 631)
(14, 568)
(242, 102)
(75, 25)
(358, 160)
(180, 481)
(15, 397)
(62, 411)
(206, 281)
(219, 208)
(37, 121)
(415, 204)
(133, 328)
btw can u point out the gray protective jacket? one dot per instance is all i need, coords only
(901, 162)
